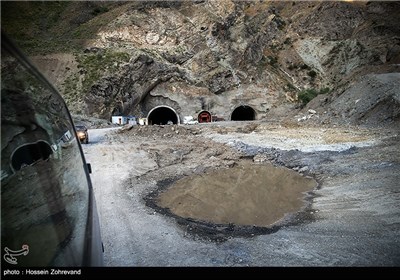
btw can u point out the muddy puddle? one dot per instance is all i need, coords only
(246, 195)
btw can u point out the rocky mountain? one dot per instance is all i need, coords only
(327, 61)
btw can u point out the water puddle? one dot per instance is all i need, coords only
(248, 194)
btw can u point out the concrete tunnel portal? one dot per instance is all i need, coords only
(162, 115)
(243, 113)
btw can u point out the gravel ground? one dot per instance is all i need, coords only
(353, 216)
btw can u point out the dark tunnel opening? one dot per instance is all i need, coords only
(29, 154)
(162, 115)
(243, 113)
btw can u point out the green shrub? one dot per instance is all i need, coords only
(312, 74)
(99, 10)
(307, 95)
(304, 67)
(290, 87)
(273, 60)
(324, 90)
(288, 41)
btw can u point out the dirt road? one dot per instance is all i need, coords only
(351, 219)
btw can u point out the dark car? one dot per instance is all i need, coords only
(82, 133)
(48, 209)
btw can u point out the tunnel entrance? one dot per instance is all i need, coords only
(30, 153)
(204, 116)
(243, 113)
(162, 115)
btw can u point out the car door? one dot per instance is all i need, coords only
(48, 210)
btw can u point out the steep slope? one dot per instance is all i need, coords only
(129, 57)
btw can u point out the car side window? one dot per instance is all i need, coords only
(44, 183)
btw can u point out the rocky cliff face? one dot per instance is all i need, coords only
(128, 58)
